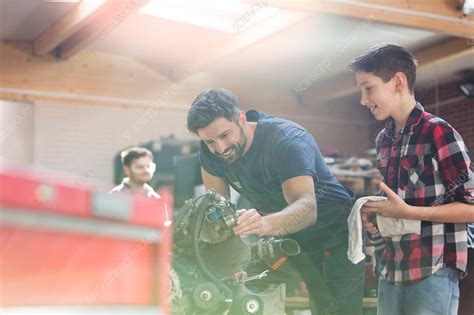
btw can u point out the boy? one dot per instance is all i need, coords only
(425, 166)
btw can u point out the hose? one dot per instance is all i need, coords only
(196, 233)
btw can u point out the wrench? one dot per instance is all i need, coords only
(256, 277)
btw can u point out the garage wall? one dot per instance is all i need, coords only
(347, 137)
(455, 108)
(16, 131)
(83, 139)
(82, 105)
(461, 116)
(63, 90)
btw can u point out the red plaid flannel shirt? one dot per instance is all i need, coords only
(427, 165)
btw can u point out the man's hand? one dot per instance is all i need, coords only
(240, 276)
(249, 222)
(393, 207)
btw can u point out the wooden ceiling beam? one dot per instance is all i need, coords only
(323, 91)
(107, 19)
(436, 17)
(66, 26)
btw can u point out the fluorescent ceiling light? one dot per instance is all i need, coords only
(222, 15)
(467, 88)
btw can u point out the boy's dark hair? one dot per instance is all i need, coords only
(385, 60)
(134, 153)
(210, 105)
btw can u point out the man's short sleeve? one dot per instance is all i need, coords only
(294, 157)
(209, 162)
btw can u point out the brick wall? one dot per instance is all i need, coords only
(453, 107)
(16, 132)
(82, 140)
(461, 117)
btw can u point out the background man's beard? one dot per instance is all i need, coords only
(140, 180)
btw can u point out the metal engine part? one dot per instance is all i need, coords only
(207, 254)
(175, 286)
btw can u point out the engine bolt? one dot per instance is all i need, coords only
(206, 295)
(252, 306)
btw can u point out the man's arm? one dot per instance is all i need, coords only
(218, 184)
(300, 213)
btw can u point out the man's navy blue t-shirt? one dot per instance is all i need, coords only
(281, 150)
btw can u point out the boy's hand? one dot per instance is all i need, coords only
(393, 207)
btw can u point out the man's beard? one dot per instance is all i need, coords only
(238, 149)
(140, 179)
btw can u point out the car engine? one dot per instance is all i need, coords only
(212, 266)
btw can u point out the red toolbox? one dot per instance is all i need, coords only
(70, 248)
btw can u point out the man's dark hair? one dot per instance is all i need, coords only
(385, 60)
(134, 153)
(210, 105)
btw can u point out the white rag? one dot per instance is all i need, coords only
(386, 226)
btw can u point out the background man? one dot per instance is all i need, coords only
(138, 166)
